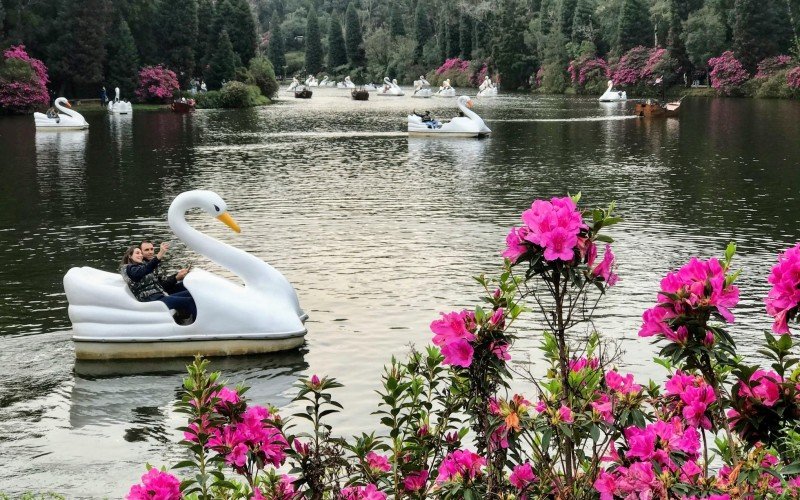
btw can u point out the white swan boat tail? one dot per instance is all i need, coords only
(263, 315)
(468, 125)
(64, 119)
(611, 95)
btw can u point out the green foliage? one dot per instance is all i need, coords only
(422, 31)
(583, 23)
(396, 26)
(453, 38)
(508, 48)
(208, 100)
(276, 52)
(353, 37)
(775, 86)
(760, 30)
(123, 59)
(634, 28)
(704, 36)
(205, 35)
(465, 36)
(262, 75)
(16, 70)
(178, 32)
(313, 43)
(222, 66)
(337, 52)
(240, 95)
(235, 17)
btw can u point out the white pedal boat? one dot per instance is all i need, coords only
(469, 125)
(67, 119)
(611, 95)
(264, 315)
(390, 89)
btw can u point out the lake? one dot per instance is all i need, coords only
(378, 233)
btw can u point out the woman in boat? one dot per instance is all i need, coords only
(143, 281)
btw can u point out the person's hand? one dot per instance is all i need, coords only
(162, 250)
(181, 274)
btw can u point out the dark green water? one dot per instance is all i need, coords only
(377, 231)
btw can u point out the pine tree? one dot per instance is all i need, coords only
(235, 17)
(678, 11)
(313, 43)
(442, 36)
(583, 21)
(123, 59)
(465, 36)
(222, 66)
(508, 48)
(422, 31)
(634, 26)
(396, 27)
(178, 34)
(760, 30)
(79, 55)
(566, 15)
(205, 34)
(453, 39)
(277, 53)
(355, 42)
(337, 52)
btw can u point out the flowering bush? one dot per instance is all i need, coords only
(460, 72)
(642, 66)
(156, 84)
(772, 65)
(628, 70)
(588, 430)
(793, 78)
(591, 72)
(23, 82)
(727, 73)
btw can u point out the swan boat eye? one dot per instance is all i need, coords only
(216, 208)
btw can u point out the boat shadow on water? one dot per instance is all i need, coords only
(139, 395)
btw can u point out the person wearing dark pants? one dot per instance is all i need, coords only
(143, 281)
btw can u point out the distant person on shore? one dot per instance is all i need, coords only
(103, 97)
(143, 282)
(203, 87)
(172, 283)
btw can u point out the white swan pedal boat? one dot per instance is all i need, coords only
(118, 106)
(469, 125)
(487, 88)
(346, 84)
(67, 119)
(611, 95)
(293, 85)
(390, 89)
(422, 88)
(263, 315)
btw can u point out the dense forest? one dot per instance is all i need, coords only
(89, 43)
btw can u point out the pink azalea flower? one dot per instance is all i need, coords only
(454, 325)
(605, 268)
(156, 485)
(378, 463)
(500, 350)
(521, 476)
(565, 414)
(559, 244)
(515, 244)
(458, 353)
(368, 492)
(415, 481)
(764, 387)
(460, 464)
(784, 296)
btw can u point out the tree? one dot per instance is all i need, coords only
(222, 66)
(453, 39)
(313, 43)
(508, 50)
(355, 42)
(422, 30)
(337, 52)
(205, 35)
(178, 33)
(760, 29)
(704, 36)
(678, 10)
(583, 22)
(465, 35)
(635, 27)
(396, 27)
(277, 54)
(235, 17)
(442, 37)
(2, 19)
(262, 74)
(123, 59)
(566, 16)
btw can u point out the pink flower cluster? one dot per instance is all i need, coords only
(692, 397)
(378, 463)
(521, 476)
(368, 492)
(659, 443)
(552, 226)
(631, 66)
(156, 485)
(585, 69)
(284, 489)
(771, 65)
(24, 96)
(454, 333)
(619, 387)
(693, 289)
(156, 83)
(793, 78)
(764, 388)
(784, 296)
(727, 73)
(460, 465)
(249, 438)
(455, 63)
(415, 481)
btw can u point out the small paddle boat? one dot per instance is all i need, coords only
(263, 315)
(293, 85)
(118, 106)
(302, 92)
(370, 87)
(183, 106)
(390, 89)
(487, 88)
(62, 119)
(612, 95)
(467, 125)
(311, 81)
(360, 94)
(422, 88)
(446, 90)
(654, 109)
(346, 84)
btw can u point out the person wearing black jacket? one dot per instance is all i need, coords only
(142, 280)
(172, 283)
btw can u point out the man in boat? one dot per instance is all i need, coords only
(172, 283)
(427, 119)
(52, 113)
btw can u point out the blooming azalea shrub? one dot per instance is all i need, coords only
(450, 428)
(772, 65)
(642, 66)
(589, 74)
(628, 71)
(727, 73)
(23, 82)
(793, 80)
(156, 84)
(460, 72)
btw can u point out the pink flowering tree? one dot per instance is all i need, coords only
(727, 73)
(589, 74)
(460, 72)
(772, 65)
(156, 84)
(643, 66)
(793, 79)
(23, 82)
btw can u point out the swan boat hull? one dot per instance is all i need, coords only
(174, 348)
